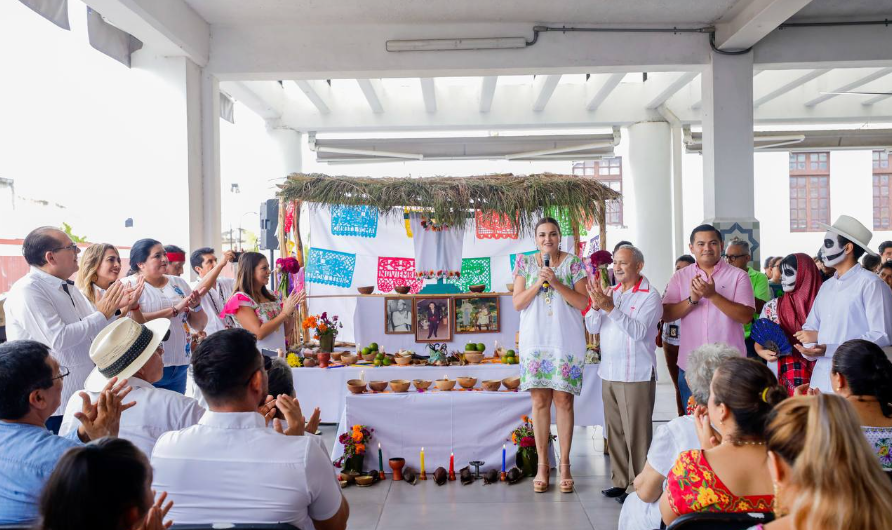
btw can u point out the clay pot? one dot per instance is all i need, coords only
(396, 464)
(422, 384)
(399, 385)
(491, 385)
(445, 384)
(473, 357)
(378, 386)
(440, 476)
(324, 359)
(467, 382)
(309, 362)
(356, 386)
(511, 383)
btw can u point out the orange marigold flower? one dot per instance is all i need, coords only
(525, 419)
(357, 436)
(514, 438)
(360, 448)
(323, 328)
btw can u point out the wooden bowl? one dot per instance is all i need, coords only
(336, 355)
(492, 385)
(356, 386)
(364, 480)
(445, 384)
(474, 357)
(370, 357)
(402, 360)
(511, 383)
(348, 476)
(422, 384)
(399, 385)
(402, 289)
(467, 382)
(366, 290)
(479, 288)
(378, 386)
(348, 358)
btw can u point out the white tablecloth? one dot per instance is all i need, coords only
(327, 388)
(473, 425)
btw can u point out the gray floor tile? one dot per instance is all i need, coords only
(516, 516)
(376, 494)
(364, 516)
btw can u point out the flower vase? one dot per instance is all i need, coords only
(528, 462)
(354, 463)
(326, 343)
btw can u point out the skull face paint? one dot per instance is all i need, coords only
(832, 253)
(788, 276)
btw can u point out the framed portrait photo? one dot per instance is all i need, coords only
(476, 314)
(398, 315)
(433, 319)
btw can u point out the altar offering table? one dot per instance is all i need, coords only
(327, 388)
(472, 424)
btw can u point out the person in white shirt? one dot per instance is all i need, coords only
(166, 296)
(133, 351)
(853, 304)
(217, 290)
(641, 511)
(626, 316)
(45, 306)
(100, 267)
(230, 468)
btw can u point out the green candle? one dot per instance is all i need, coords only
(380, 459)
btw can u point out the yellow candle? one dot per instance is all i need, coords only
(422, 459)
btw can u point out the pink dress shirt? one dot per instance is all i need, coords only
(706, 324)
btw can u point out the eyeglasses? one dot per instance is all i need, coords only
(63, 373)
(734, 257)
(72, 247)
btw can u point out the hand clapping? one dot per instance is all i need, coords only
(291, 410)
(701, 288)
(599, 298)
(155, 517)
(103, 418)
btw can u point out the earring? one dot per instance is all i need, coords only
(779, 511)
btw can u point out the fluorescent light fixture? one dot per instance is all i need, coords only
(367, 152)
(431, 45)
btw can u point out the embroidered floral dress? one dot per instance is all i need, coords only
(552, 332)
(265, 311)
(881, 440)
(694, 487)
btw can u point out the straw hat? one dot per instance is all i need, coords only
(122, 348)
(851, 229)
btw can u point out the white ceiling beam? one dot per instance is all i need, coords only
(168, 27)
(795, 83)
(487, 91)
(680, 82)
(371, 95)
(543, 89)
(313, 89)
(876, 99)
(609, 85)
(756, 20)
(882, 72)
(825, 47)
(264, 98)
(429, 93)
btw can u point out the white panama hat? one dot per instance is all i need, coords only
(851, 229)
(122, 348)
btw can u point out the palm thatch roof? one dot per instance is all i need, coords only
(451, 199)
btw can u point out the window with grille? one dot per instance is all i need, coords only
(882, 191)
(809, 191)
(609, 171)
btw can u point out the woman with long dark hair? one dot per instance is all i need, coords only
(105, 485)
(166, 296)
(255, 308)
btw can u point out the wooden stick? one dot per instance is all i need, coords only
(299, 249)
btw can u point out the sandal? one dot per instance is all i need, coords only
(541, 486)
(567, 484)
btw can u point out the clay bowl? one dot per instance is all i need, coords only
(492, 385)
(402, 289)
(348, 476)
(364, 480)
(399, 385)
(467, 382)
(402, 360)
(422, 384)
(348, 358)
(370, 357)
(336, 355)
(309, 362)
(366, 290)
(477, 288)
(474, 357)
(445, 384)
(510, 287)
(378, 386)
(511, 383)
(356, 386)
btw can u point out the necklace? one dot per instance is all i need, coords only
(741, 444)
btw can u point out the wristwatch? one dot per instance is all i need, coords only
(691, 302)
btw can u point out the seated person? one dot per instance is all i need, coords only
(30, 391)
(281, 381)
(642, 508)
(132, 351)
(733, 457)
(862, 374)
(230, 467)
(823, 470)
(102, 485)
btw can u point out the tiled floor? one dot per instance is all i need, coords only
(400, 506)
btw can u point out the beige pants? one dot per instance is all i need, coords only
(628, 413)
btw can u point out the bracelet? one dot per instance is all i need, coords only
(175, 311)
(691, 302)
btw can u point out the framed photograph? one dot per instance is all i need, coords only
(433, 319)
(398, 315)
(476, 314)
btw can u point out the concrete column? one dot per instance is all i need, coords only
(210, 223)
(289, 142)
(650, 165)
(728, 184)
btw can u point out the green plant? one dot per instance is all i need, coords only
(74, 239)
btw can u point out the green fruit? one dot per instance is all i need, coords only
(387, 361)
(512, 360)
(470, 347)
(511, 353)
(378, 362)
(373, 346)
(481, 347)
(366, 351)
(506, 360)
(380, 356)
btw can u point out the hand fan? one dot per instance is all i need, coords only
(770, 336)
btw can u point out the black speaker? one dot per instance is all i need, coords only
(269, 224)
